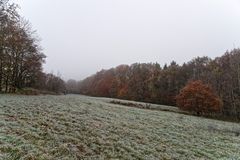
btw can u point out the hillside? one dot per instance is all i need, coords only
(151, 82)
(80, 127)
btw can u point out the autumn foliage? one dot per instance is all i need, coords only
(198, 98)
(153, 83)
(21, 57)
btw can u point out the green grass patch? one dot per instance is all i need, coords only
(80, 127)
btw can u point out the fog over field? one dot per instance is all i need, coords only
(81, 37)
(119, 80)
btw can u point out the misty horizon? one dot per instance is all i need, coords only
(119, 79)
(96, 35)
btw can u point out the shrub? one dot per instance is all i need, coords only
(198, 98)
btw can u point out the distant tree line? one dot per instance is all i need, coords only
(152, 83)
(21, 56)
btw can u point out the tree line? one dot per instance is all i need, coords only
(21, 56)
(21, 61)
(150, 82)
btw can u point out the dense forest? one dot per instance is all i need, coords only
(22, 59)
(150, 82)
(21, 56)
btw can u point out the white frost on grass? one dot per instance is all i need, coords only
(80, 127)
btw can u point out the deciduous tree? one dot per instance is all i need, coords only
(199, 98)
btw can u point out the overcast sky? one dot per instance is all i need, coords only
(81, 37)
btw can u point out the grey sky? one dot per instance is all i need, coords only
(81, 37)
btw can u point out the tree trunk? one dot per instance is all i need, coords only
(1, 68)
(1, 75)
(6, 84)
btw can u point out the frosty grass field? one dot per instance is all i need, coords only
(80, 127)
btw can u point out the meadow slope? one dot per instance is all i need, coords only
(80, 127)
